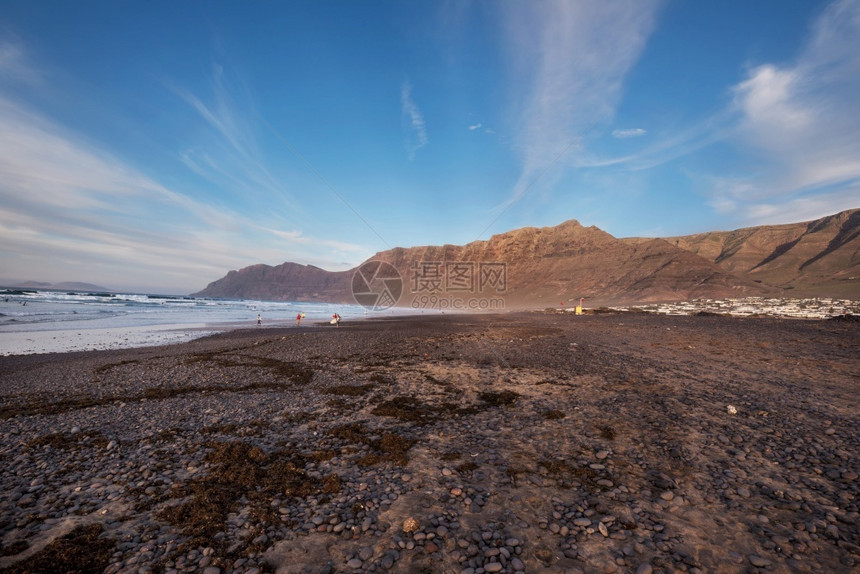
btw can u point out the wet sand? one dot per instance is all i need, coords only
(512, 443)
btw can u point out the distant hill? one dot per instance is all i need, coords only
(63, 286)
(812, 258)
(557, 265)
(285, 282)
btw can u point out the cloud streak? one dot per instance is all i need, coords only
(631, 133)
(571, 58)
(233, 154)
(414, 128)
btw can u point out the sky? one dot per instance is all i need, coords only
(154, 146)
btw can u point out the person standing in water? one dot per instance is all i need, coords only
(298, 319)
(259, 319)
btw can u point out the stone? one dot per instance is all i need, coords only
(758, 561)
(410, 525)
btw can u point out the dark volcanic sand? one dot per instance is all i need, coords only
(521, 442)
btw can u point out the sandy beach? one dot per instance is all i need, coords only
(524, 442)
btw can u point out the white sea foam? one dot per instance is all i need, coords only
(53, 321)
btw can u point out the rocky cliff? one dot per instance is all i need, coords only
(540, 266)
(559, 265)
(812, 258)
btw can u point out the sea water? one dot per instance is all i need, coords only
(34, 321)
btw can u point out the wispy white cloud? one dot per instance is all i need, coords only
(631, 133)
(298, 237)
(233, 153)
(800, 122)
(804, 208)
(571, 59)
(14, 62)
(72, 207)
(72, 210)
(474, 127)
(415, 131)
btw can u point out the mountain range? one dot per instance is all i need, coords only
(552, 266)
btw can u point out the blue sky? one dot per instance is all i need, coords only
(154, 146)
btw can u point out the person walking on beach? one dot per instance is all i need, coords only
(259, 319)
(298, 319)
(335, 319)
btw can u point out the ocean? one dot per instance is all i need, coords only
(33, 321)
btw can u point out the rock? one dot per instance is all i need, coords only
(493, 567)
(603, 530)
(758, 561)
(355, 563)
(410, 525)
(644, 568)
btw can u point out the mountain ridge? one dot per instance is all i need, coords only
(813, 258)
(548, 266)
